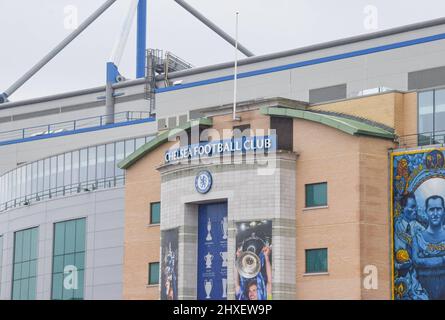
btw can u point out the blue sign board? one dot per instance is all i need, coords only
(212, 252)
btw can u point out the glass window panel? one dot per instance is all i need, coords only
(109, 171)
(155, 213)
(426, 110)
(316, 195)
(79, 260)
(53, 174)
(13, 184)
(67, 174)
(60, 168)
(140, 142)
(26, 249)
(23, 185)
(24, 264)
(439, 116)
(92, 164)
(2, 189)
(24, 294)
(32, 288)
(57, 286)
(120, 154)
(83, 165)
(33, 268)
(70, 255)
(75, 167)
(18, 182)
(100, 162)
(153, 273)
(25, 270)
(59, 238)
(28, 179)
(67, 294)
(40, 173)
(16, 290)
(34, 178)
(46, 174)
(58, 264)
(34, 243)
(78, 294)
(18, 245)
(129, 147)
(17, 271)
(80, 235)
(70, 236)
(316, 260)
(69, 260)
(9, 186)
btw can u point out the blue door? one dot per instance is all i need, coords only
(212, 252)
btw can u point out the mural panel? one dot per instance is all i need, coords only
(169, 265)
(418, 235)
(212, 252)
(253, 261)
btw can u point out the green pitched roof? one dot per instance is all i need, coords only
(160, 139)
(350, 126)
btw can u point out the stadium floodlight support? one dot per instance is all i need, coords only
(214, 27)
(39, 65)
(141, 39)
(112, 68)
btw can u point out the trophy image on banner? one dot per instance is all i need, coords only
(209, 229)
(248, 263)
(224, 287)
(208, 285)
(224, 227)
(224, 259)
(208, 260)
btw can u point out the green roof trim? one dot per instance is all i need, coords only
(161, 139)
(349, 126)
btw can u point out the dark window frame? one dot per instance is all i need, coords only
(150, 264)
(307, 206)
(306, 261)
(151, 213)
(434, 132)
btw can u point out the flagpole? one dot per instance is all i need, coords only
(235, 78)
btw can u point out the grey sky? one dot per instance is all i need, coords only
(30, 28)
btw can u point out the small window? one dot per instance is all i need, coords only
(316, 195)
(155, 213)
(153, 273)
(317, 261)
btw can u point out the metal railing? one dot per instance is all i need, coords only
(84, 187)
(72, 125)
(421, 139)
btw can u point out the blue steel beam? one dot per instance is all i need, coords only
(141, 39)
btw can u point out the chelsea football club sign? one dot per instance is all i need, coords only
(203, 182)
(220, 147)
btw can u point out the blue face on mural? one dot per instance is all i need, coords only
(418, 214)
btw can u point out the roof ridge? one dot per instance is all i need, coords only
(356, 118)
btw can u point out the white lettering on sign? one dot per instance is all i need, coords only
(244, 144)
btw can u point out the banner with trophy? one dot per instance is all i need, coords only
(253, 260)
(212, 251)
(418, 221)
(169, 264)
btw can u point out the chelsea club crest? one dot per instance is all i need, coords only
(203, 181)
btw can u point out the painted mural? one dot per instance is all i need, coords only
(253, 261)
(418, 211)
(169, 265)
